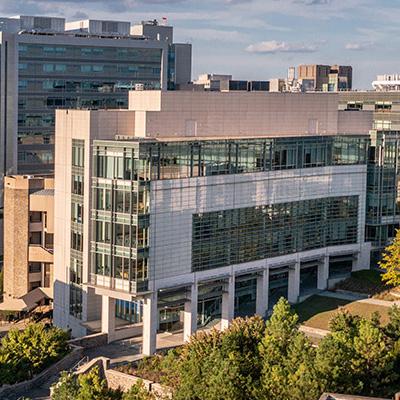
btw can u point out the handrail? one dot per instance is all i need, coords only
(79, 364)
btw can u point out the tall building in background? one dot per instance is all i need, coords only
(47, 63)
(325, 78)
(193, 206)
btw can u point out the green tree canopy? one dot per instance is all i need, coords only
(27, 352)
(391, 262)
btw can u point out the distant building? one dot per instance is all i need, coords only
(387, 83)
(47, 63)
(225, 83)
(325, 78)
(277, 85)
(28, 239)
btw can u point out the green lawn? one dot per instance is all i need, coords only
(317, 311)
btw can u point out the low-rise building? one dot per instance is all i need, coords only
(225, 83)
(387, 83)
(28, 242)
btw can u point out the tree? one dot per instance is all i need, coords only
(287, 357)
(91, 386)
(357, 357)
(392, 329)
(391, 262)
(219, 365)
(138, 392)
(26, 353)
(66, 388)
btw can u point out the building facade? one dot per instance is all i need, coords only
(49, 64)
(28, 239)
(326, 78)
(204, 205)
(225, 83)
(383, 212)
(387, 83)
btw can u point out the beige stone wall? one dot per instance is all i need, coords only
(19, 201)
(16, 238)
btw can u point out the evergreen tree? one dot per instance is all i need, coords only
(357, 357)
(393, 327)
(221, 365)
(287, 357)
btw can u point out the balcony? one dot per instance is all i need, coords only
(38, 253)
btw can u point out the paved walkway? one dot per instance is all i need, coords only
(313, 332)
(351, 296)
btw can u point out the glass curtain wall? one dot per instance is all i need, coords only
(77, 190)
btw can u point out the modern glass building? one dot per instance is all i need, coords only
(383, 212)
(121, 209)
(185, 230)
(50, 64)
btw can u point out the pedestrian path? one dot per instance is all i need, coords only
(361, 298)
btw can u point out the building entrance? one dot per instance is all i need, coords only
(278, 285)
(308, 278)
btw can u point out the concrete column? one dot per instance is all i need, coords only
(294, 283)
(190, 314)
(108, 317)
(323, 273)
(262, 293)
(228, 303)
(150, 318)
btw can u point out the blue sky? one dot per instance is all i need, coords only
(258, 39)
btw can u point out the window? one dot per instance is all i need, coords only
(35, 238)
(35, 216)
(75, 300)
(77, 184)
(78, 155)
(76, 212)
(241, 235)
(35, 267)
(76, 241)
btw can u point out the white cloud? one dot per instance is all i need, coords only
(273, 46)
(358, 46)
(209, 34)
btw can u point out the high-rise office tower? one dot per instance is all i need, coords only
(47, 63)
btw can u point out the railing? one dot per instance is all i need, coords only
(79, 364)
(118, 284)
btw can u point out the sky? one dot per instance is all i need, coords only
(257, 39)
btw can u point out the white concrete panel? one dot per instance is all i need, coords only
(173, 203)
